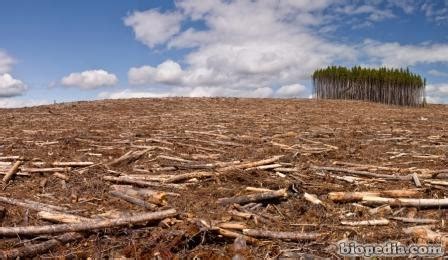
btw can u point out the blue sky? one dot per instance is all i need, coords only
(85, 50)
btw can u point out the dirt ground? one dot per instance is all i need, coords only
(198, 131)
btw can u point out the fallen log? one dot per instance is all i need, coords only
(44, 170)
(128, 157)
(416, 220)
(312, 198)
(38, 206)
(254, 197)
(292, 236)
(37, 249)
(133, 200)
(61, 217)
(425, 233)
(190, 175)
(141, 183)
(372, 222)
(362, 173)
(250, 164)
(72, 164)
(232, 234)
(401, 202)
(155, 197)
(13, 171)
(358, 196)
(77, 227)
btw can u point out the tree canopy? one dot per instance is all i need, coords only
(383, 85)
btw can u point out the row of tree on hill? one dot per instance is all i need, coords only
(383, 85)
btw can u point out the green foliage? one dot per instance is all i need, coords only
(384, 85)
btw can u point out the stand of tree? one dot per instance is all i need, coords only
(383, 85)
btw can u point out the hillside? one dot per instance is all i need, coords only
(230, 145)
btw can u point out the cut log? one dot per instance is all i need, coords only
(372, 222)
(362, 173)
(358, 196)
(401, 202)
(155, 197)
(232, 234)
(128, 157)
(171, 158)
(254, 197)
(133, 200)
(232, 225)
(417, 182)
(313, 199)
(251, 164)
(44, 170)
(72, 164)
(29, 251)
(187, 176)
(141, 183)
(77, 227)
(61, 217)
(425, 233)
(258, 189)
(265, 167)
(292, 236)
(416, 220)
(28, 204)
(10, 174)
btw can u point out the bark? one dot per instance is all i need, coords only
(400, 202)
(133, 200)
(61, 217)
(77, 227)
(251, 164)
(10, 174)
(38, 206)
(37, 249)
(127, 180)
(187, 176)
(416, 220)
(363, 173)
(72, 164)
(358, 196)
(254, 197)
(372, 222)
(293, 236)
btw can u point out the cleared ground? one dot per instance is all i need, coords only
(218, 136)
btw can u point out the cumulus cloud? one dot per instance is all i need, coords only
(294, 90)
(6, 62)
(168, 72)
(90, 79)
(10, 87)
(245, 45)
(437, 93)
(252, 47)
(153, 27)
(16, 103)
(398, 55)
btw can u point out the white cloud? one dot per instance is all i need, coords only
(6, 62)
(398, 55)
(90, 79)
(168, 72)
(294, 90)
(152, 27)
(245, 45)
(16, 103)
(437, 93)
(437, 73)
(10, 87)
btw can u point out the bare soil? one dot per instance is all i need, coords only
(208, 130)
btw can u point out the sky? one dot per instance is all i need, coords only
(59, 51)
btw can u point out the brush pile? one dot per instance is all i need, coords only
(219, 178)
